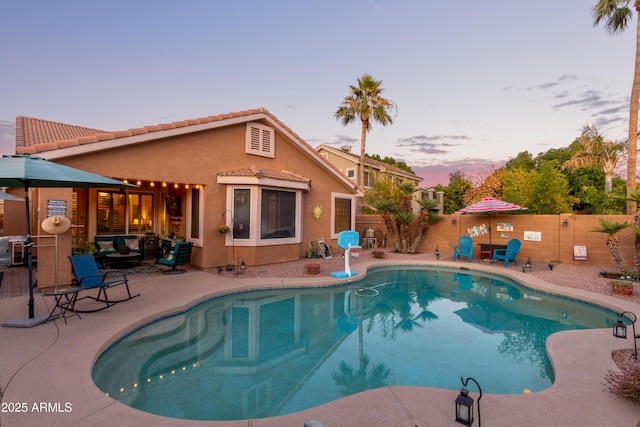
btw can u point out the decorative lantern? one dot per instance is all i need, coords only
(464, 408)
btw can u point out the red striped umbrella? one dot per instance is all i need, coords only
(490, 205)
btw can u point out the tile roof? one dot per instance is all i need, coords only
(266, 173)
(36, 136)
(31, 132)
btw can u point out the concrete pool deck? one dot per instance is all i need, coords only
(51, 364)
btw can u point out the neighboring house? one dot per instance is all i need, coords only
(375, 170)
(246, 170)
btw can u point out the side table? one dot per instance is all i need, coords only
(66, 298)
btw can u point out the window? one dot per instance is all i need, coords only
(343, 210)
(120, 213)
(195, 213)
(140, 212)
(351, 173)
(241, 213)
(260, 140)
(278, 219)
(367, 178)
(111, 213)
(263, 216)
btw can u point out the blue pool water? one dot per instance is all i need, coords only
(273, 352)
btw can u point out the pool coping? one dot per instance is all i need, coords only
(51, 364)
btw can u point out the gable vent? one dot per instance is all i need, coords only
(260, 140)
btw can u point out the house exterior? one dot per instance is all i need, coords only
(374, 170)
(246, 170)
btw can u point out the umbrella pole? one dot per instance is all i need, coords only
(28, 246)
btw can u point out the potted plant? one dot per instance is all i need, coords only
(621, 287)
(378, 254)
(223, 229)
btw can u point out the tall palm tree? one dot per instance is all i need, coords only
(365, 103)
(613, 243)
(616, 14)
(596, 152)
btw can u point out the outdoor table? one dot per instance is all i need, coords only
(122, 260)
(486, 250)
(66, 298)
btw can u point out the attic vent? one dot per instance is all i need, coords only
(260, 140)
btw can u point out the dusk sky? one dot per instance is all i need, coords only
(476, 82)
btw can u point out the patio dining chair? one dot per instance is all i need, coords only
(88, 277)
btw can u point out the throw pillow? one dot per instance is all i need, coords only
(133, 244)
(105, 246)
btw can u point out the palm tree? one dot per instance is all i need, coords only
(616, 14)
(613, 243)
(596, 152)
(364, 102)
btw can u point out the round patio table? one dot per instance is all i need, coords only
(66, 298)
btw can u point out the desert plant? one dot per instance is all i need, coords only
(613, 243)
(625, 383)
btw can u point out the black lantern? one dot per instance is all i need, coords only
(464, 404)
(437, 252)
(528, 264)
(620, 330)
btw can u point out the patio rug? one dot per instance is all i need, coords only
(138, 269)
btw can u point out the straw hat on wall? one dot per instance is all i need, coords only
(56, 224)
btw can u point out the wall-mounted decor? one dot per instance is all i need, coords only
(504, 226)
(533, 236)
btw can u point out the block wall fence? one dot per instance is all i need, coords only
(558, 234)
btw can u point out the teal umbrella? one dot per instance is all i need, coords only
(27, 171)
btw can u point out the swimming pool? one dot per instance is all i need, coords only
(272, 352)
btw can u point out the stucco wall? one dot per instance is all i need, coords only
(196, 158)
(556, 244)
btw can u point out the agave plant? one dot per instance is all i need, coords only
(613, 243)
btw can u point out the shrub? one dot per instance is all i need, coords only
(625, 383)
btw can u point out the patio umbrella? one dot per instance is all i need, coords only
(28, 171)
(490, 205)
(489, 321)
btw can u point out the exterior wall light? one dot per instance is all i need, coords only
(565, 223)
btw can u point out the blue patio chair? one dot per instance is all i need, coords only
(88, 276)
(180, 255)
(464, 248)
(508, 254)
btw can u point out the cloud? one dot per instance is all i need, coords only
(585, 101)
(434, 173)
(435, 144)
(7, 137)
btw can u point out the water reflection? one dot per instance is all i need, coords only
(268, 353)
